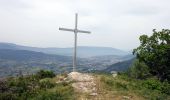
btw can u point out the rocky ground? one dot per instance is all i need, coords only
(82, 82)
(94, 87)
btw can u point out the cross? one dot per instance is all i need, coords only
(75, 30)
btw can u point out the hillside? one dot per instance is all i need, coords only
(45, 85)
(120, 66)
(83, 51)
(12, 62)
(25, 55)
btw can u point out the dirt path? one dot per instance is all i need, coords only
(83, 83)
(93, 87)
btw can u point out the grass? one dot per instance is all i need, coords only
(108, 88)
(64, 89)
(123, 86)
(35, 88)
(118, 88)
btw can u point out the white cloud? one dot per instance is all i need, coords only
(114, 23)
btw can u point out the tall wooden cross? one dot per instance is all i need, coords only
(75, 30)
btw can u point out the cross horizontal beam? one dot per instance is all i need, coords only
(81, 31)
(74, 30)
(66, 29)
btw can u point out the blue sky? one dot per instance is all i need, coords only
(113, 23)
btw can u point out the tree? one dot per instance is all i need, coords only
(138, 70)
(45, 74)
(154, 51)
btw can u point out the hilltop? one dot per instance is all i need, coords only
(79, 86)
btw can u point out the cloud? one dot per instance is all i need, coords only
(114, 23)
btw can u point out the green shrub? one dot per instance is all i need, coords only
(45, 83)
(3, 86)
(155, 84)
(66, 92)
(121, 85)
(152, 84)
(138, 70)
(50, 96)
(113, 83)
(165, 87)
(8, 96)
(45, 74)
(35, 87)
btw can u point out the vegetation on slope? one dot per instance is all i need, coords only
(123, 86)
(149, 76)
(120, 66)
(43, 86)
(34, 87)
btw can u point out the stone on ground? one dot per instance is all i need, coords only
(83, 82)
(76, 76)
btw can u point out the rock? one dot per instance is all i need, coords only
(76, 76)
(126, 97)
(65, 79)
(93, 94)
(114, 75)
(83, 82)
(84, 87)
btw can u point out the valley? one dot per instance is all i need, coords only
(15, 59)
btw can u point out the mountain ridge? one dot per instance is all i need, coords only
(83, 51)
(120, 66)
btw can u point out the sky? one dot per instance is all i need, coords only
(113, 23)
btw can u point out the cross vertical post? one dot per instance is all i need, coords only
(75, 30)
(75, 44)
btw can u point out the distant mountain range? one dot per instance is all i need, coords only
(25, 55)
(83, 51)
(15, 58)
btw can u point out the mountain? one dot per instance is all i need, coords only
(24, 55)
(83, 51)
(120, 66)
(102, 62)
(14, 61)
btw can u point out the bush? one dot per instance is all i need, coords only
(111, 83)
(45, 83)
(138, 70)
(8, 96)
(166, 87)
(45, 74)
(51, 96)
(65, 91)
(121, 85)
(35, 87)
(3, 86)
(152, 84)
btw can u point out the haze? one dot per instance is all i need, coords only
(113, 23)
